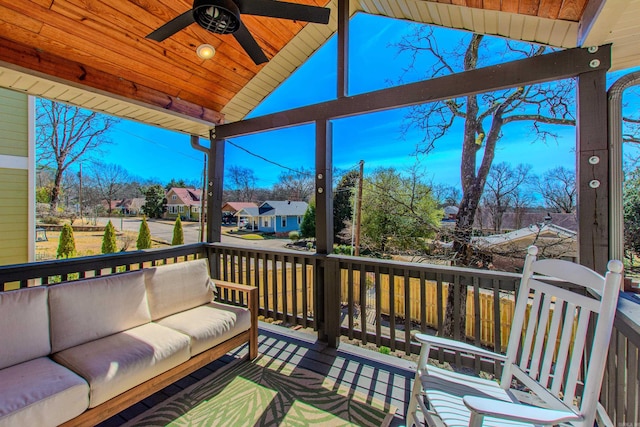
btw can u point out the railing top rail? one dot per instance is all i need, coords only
(247, 248)
(628, 314)
(15, 272)
(431, 268)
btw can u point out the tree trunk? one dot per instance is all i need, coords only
(55, 191)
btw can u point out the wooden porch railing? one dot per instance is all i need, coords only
(379, 301)
(49, 272)
(285, 279)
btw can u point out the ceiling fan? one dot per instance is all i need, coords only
(223, 17)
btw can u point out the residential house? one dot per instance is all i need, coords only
(552, 240)
(130, 206)
(274, 216)
(230, 209)
(510, 221)
(183, 202)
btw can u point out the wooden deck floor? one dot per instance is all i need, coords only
(385, 378)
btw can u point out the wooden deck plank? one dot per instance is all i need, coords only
(376, 376)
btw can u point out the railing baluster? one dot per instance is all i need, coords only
(378, 289)
(294, 289)
(285, 294)
(305, 290)
(350, 301)
(476, 319)
(407, 312)
(363, 303)
(265, 284)
(274, 287)
(422, 304)
(392, 309)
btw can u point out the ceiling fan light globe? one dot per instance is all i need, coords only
(205, 51)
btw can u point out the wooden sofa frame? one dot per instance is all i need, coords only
(117, 404)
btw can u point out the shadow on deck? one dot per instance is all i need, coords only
(381, 377)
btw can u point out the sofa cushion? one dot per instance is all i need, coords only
(210, 324)
(24, 325)
(40, 393)
(86, 310)
(178, 287)
(114, 364)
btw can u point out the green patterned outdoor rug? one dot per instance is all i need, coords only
(265, 392)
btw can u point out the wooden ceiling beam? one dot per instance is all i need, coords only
(538, 69)
(26, 59)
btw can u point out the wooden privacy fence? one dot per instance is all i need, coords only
(284, 280)
(427, 308)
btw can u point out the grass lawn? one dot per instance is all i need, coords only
(87, 243)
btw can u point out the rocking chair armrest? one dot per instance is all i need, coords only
(518, 412)
(458, 346)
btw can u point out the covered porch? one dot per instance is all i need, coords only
(289, 296)
(329, 293)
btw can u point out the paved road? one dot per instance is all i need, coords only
(163, 230)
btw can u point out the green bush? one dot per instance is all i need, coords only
(294, 236)
(144, 235)
(67, 244)
(109, 244)
(178, 235)
(342, 250)
(50, 219)
(385, 350)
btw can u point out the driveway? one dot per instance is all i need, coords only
(163, 230)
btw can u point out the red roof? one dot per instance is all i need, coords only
(187, 196)
(236, 206)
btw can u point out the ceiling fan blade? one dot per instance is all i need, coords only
(280, 9)
(170, 28)
(250, 45)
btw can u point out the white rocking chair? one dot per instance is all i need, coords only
(559, 389)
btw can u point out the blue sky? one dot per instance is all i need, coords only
(374, 138)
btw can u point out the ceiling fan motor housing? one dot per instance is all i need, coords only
(217, 16)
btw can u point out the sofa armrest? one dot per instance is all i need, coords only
(235, 286)
(252, 304)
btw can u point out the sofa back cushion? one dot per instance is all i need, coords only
(89, 309)
(178, 287)
(24, 325)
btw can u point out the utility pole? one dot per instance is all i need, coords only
(359, 209)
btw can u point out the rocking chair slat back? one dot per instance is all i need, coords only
(538, 356)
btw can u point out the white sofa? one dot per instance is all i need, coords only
(81, 351)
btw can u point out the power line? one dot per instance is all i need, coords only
(251, 153)
(158, 144)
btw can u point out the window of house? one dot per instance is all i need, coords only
(181, 208)
(174, 197)
(284, 221)
(266, 222)
(299, 220)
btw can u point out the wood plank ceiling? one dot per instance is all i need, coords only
(94, 53)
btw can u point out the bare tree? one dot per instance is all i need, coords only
(294, 185)
(65, 134)
(109, 180)
(484, 116)
(242, 183)
(503, 186)
(558, 189)
(445, 194)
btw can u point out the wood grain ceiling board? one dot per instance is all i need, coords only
(102, 49)
(110, 37)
